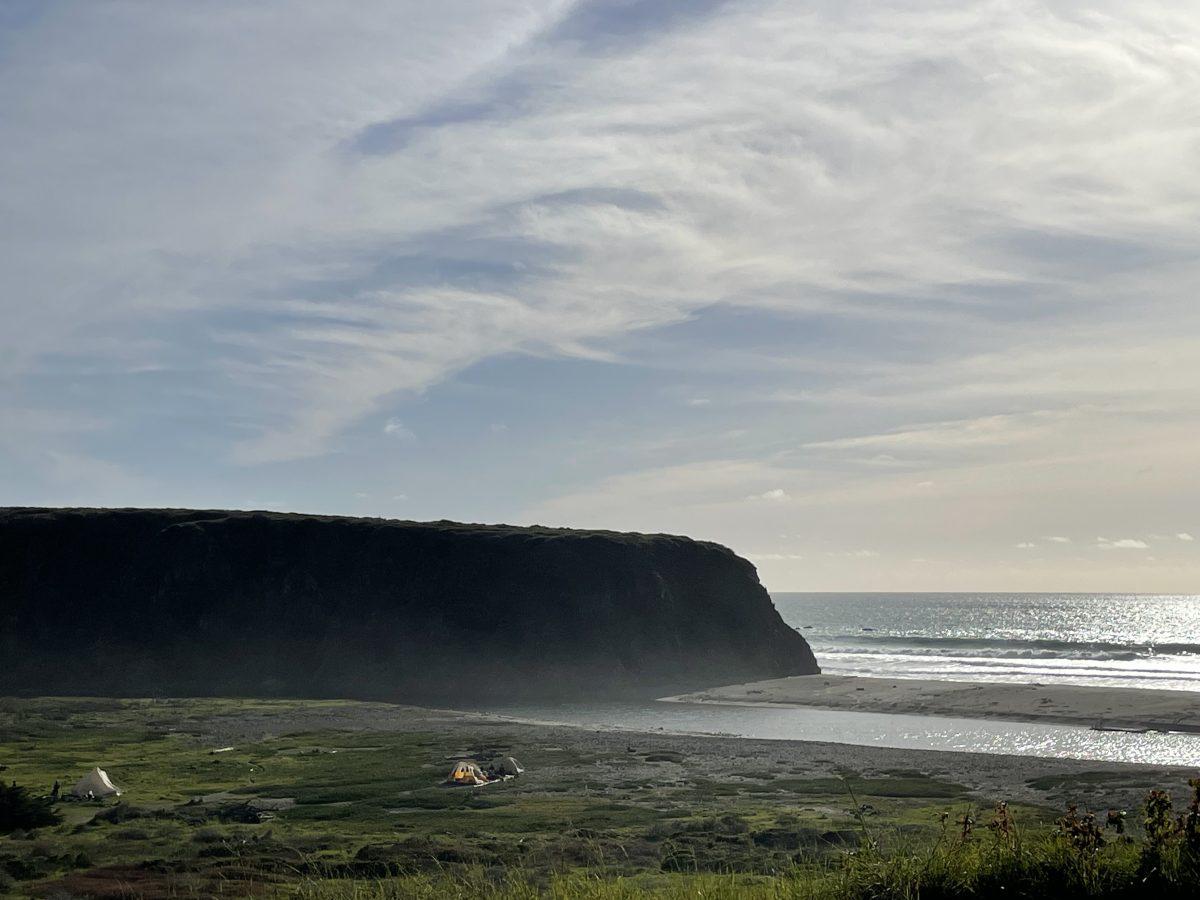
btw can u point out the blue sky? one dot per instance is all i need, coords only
(882, 295)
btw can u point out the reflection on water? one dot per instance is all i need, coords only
(1126, 640)
(873, 729)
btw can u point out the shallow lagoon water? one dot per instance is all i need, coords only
(873, 729)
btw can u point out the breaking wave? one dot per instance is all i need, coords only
(999, 648)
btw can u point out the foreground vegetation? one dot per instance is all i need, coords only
(1079, 858)
(334, 812)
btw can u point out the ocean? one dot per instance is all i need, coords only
(1126, 640)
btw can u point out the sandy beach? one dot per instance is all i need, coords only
(1094, 707)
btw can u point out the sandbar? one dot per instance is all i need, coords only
(1104, 708)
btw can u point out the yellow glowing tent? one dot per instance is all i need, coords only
(467, 772)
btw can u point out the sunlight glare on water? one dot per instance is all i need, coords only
(1127, 640)
(874, 729)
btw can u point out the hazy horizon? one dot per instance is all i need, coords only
(883, 297)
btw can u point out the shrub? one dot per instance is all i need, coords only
(19, 809)
(118, 814)
(1161, 834)
(1082, 831)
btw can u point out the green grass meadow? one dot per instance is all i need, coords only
(340, 813)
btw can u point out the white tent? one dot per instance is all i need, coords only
(95, 783)
(509, 766)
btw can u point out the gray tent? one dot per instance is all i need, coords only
(509, 766)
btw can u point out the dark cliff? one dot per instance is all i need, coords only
(160, 602)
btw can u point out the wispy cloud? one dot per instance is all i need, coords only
(861, 554)
(603, 208)
(1121, 544)
(774, 495)
(396, 430)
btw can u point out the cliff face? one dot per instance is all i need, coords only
(159, 602)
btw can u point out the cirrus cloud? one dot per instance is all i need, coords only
(896, 262)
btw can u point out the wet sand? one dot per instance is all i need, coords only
(1095, 707)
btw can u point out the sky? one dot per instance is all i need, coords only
(883, 295)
